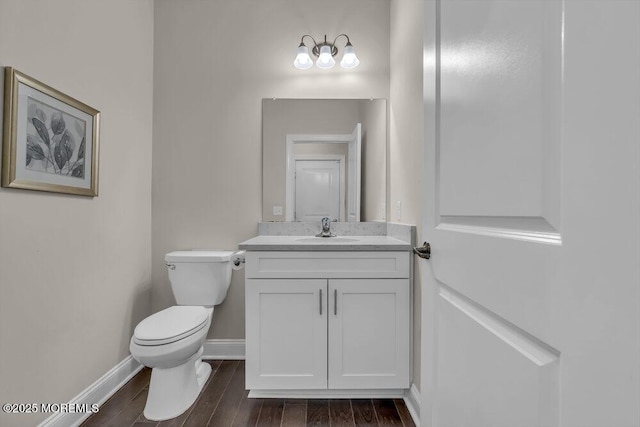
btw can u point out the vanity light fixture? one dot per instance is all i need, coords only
(325, 51)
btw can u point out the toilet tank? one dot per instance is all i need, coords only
(199, 277)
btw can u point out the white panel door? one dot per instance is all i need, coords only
(286, 334)
(530, 311)
(369, 333)
(318, 190)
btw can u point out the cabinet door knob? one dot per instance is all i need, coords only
(423, 251)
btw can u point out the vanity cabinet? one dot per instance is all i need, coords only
(327, 320)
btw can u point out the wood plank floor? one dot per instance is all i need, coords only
(224, 402)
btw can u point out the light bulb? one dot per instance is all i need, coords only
(349, 59)
(325, 60)
(303, 60)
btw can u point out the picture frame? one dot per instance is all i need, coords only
(50, 140)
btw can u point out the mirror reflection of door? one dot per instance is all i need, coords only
(319, 189)
(309, 195)
(292, 125)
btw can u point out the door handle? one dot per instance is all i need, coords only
(335, 302)
(320, 300)
(423, 251)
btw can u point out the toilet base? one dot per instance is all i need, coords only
(173, 390)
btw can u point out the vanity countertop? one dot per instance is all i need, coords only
(310, 243)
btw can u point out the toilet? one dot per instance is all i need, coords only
(170, 341)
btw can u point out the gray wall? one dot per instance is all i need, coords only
(214, 63)
(75, 272)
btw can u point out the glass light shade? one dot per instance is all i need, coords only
(349, 59)
(303, 60)
(325, 60)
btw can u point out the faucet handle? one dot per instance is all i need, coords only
(326, 228)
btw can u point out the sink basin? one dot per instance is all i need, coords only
(326, 239)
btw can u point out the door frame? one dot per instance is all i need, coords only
(293, 139)
(320, 157)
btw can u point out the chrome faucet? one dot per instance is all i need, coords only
(326, 228)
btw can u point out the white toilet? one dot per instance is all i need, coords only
(170, 341)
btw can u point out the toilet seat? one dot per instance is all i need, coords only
(170, 325)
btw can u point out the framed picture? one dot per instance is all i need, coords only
(50, 140)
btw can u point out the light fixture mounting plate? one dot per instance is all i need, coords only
(316, 49)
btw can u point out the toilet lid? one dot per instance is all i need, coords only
(170, 324)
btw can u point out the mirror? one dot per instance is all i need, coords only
(324, 157)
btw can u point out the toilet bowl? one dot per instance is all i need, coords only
(170, 341)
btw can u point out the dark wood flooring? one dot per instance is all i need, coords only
(224, 402)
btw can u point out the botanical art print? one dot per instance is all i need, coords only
(50, 140)
(52, 137)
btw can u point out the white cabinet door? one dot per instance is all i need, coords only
(368, 333)
(286, 333)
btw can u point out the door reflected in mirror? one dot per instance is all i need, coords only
(324, 158)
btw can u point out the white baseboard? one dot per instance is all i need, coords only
(96, 393)
(223, 349)
(412, 400)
